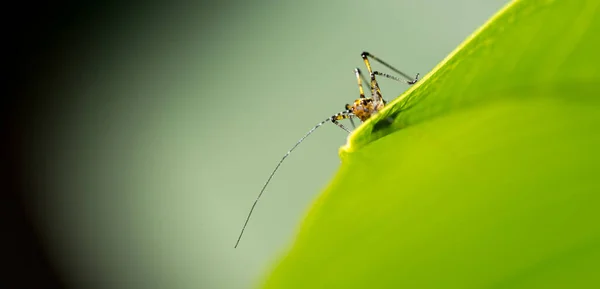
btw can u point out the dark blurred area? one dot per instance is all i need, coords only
(45, 39)
(40, 40)
(45, 43)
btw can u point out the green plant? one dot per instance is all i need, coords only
(484, 174)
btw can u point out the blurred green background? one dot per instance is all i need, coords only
(176, 115)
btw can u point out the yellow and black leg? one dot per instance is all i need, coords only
(350, 115)
(339, 116)
(409, 80)
(375, 91)
(359, 78)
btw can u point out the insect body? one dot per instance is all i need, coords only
(362, 108)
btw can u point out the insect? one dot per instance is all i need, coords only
(362, 108)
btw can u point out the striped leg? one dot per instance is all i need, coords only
(409, 80)
(359, 78)
(341, 115)
(375, 91)
(350, 115)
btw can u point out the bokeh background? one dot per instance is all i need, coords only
(140, 134)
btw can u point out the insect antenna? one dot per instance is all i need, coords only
(339, 116)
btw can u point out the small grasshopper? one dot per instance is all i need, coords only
(362, 108)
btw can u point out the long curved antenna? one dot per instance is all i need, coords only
(342, 115)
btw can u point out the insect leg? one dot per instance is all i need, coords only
(375, 91)
(342, 115)
(409, 80)
(359, 78)
(350, 115)
(365, 81)
(352, 122)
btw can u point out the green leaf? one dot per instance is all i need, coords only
(485, 174)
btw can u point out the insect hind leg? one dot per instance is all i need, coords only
(409, 80)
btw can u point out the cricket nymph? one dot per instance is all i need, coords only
(363, 108)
